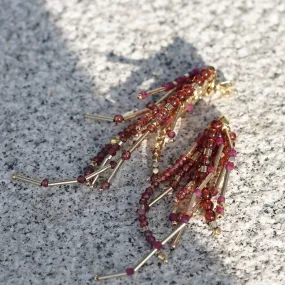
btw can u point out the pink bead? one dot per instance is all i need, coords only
(219, 141)
(144, 94)
(172, 217)
(185, 219)
(198, 193)
(211, 169)
(220, 210)
(230, 165)
(232, 152)
(221, 199)
(190, 107)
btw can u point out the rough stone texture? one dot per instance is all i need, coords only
(59, 59)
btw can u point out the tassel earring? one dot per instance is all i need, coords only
(198, 181)
(157, 118)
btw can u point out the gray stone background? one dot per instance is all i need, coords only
(60, 59)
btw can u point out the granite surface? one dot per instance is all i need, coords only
(60, 59)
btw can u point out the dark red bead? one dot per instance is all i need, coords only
(174, 184)
(188, 89)
(216, 124)
(105, 185)
(207, 205)
(173, 101)
(81, 179)
(113, 164)
(149, 191)
(88, 170)
(171, 134)
(151, 128)
(118, 119)
(142, 201)
(205, 73)
(157, 245)
(210, 143)
(199, 80)
(233, 136)
(150, 239)
(212, 133)
(130, 271)
(44, 183)
(112, 152)
(126, 155)
(180, 79)
(116, 146)
(181, 95)
(144, 223)
(148, 233)
(206, 194)
(194, 72)
(145, 196)
(206, 160)
(142, 218)
(141, 212)
(179, 217)
(210, 216)
(101, 155)
(214, 191)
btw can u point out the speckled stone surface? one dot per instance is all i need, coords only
(60, 59)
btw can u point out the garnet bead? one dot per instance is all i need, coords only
(209, 143)
(151, 128)
(181, 95)
(199, 80)
(126, 155)
(206, 194)
(210, 216)
(205, 73)
(171, 134)
(216, 124)
(81, 179)
(207, 205)
(105, 185)
(44, 183)
(113, 164)
(150, 105)
(118, 118)
(188, 89)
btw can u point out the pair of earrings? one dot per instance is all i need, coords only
(197, 180)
